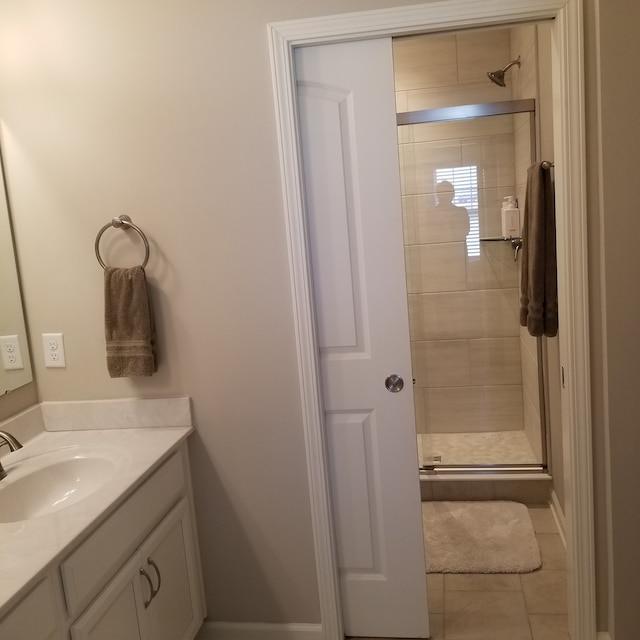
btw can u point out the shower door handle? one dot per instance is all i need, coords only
(394, 383)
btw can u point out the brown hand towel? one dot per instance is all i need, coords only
(538, 277)
(129, 326)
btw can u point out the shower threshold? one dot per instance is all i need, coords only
(480, 469)
(526, 483)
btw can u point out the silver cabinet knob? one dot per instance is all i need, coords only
(394, 383)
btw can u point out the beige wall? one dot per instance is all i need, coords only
(613, 103)
(164, 110)
(597, 323)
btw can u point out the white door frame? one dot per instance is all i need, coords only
(570, 170)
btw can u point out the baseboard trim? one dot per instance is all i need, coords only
(558, 516)
(259, 631)
(263, 631)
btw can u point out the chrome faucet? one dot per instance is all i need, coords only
(12, 443)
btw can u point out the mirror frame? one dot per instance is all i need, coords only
(12, 316)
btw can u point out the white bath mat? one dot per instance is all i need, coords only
(479, 537)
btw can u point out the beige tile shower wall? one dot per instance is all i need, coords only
(551, 345)
(530, 390)
(525, 85)
(524, 79)
(522, 154)
(486, 408)
(524, 82)
(439, 71)
(486, 142)
(463, 309)
(452, 315)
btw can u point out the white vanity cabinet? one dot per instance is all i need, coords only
(134, 574)
(115, 614)
(151, 597)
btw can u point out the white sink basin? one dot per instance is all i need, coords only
(46, 483)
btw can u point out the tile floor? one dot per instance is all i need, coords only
(491, 447)
(528, 606)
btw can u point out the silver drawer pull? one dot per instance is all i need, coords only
(153, 592)
(157, 570)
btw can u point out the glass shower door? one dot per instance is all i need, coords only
(476, 381)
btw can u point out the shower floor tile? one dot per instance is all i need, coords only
(494, 447)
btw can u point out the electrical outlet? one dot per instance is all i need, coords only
(11, 355)
(53, 347)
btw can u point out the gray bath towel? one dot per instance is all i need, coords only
(129, 326)
(538, 276)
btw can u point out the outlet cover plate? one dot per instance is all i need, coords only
(11, 354)
(53, 349)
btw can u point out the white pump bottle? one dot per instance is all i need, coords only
(510, 218)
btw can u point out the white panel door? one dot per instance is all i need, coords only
(352, 192)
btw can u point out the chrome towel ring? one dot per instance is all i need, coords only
(125, 223)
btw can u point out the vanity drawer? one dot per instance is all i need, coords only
(96, 560)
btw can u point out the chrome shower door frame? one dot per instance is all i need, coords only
(469, 112)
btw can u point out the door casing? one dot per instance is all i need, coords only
(570, 172)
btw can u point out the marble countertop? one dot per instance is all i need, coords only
(28, 547)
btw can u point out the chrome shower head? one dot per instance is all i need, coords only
(497, 77)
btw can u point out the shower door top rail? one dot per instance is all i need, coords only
(466, 111)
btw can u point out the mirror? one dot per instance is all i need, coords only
(15, 363)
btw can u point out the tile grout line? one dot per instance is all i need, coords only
(526, 606)
(444, 598)
(558, 618)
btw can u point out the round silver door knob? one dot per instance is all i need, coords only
(394, 383)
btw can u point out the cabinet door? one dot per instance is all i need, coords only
(118, 612)
(34, 618)
(168, 558)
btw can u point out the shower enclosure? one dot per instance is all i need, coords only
(478, 384)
